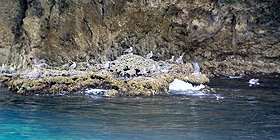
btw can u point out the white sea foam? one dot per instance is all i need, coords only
(93, 92)
(235, 77)
(185, 88)
(179, 85)
(225, 76)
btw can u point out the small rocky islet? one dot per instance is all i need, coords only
(121, 77)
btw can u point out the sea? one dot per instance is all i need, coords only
(235, 112)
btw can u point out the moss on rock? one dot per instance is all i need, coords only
(60, 85)
(115, 78)
(196, 79)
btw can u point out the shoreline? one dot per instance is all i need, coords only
(122, 78)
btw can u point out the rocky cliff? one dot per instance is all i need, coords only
(222, 35)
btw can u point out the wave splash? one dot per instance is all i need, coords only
(185, 88)
(178, 86)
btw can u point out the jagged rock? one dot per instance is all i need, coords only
(130, 65)
(225, 37)
(120, 79)
(99, 31)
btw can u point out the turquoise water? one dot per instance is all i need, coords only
(235, 112)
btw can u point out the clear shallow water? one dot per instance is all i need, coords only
(241, 113)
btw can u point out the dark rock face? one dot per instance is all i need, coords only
(97, 30)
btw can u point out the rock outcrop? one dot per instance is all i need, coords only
(96, 31)
(120, 78)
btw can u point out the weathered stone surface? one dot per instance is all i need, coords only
(196, 79)
(137, 86)
(131, 65)
(62, 85)
(239, 68)
(92, 31)
(11, 16)
(117, 79)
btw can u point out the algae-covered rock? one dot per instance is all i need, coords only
(115, 78)
(62, 85)
(196, 79)
(154, 84)
(111, 93)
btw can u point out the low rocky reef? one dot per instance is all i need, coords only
(128, 75)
